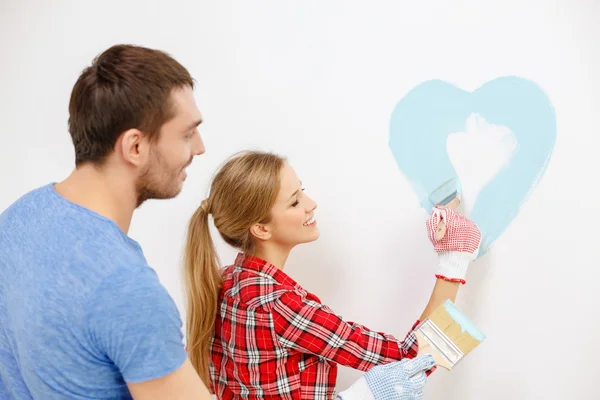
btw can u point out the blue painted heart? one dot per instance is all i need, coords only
(423, 119)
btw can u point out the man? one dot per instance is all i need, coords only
(82, 315)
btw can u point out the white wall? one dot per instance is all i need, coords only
(317, 81)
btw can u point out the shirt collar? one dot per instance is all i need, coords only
(259, 265)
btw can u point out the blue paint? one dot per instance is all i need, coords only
(464, 322)
(423, 119)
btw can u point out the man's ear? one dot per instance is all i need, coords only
(133, 146)
(261, 231)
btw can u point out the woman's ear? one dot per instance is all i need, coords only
(261, 231)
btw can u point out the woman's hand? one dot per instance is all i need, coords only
(400, 380)
(458, 247)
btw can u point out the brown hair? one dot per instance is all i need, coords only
(126, 87)
(242, 194)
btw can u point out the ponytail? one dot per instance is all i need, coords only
(203, 282)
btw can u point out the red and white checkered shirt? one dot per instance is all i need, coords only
(274, 340)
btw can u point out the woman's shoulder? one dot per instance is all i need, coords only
(251, 288)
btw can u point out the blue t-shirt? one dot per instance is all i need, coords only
(81, 312)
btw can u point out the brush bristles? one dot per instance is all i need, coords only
(445, 192)
(463, 340)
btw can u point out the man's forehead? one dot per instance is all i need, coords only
(185, 105)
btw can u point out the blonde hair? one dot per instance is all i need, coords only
(242, 193)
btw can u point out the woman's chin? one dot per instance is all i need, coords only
(314, 236)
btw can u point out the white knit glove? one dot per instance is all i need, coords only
(400, 380)
(458, 247)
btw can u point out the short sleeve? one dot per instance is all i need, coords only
(134, 322)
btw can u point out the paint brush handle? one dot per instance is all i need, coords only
(441, 229)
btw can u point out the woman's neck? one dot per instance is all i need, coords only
(274, 255)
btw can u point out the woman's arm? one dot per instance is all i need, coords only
(456, 250)
(308, 326)
(442, 291)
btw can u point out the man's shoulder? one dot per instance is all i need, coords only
(26, 201)
(138, 279)
(70, 238)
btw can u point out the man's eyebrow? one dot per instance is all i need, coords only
(194, 124)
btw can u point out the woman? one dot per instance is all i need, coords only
(266, 336)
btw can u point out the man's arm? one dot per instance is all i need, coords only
(182, 384)
(134, 322)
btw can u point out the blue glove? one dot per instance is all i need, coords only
(400, 380)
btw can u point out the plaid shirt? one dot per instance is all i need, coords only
(274, 340)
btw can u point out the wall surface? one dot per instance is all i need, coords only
(320, 82)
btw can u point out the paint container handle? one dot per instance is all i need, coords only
(441, 229)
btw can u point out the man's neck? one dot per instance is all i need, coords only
(108, 194)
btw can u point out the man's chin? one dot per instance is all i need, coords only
(163, 195)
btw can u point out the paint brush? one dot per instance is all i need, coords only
(447, 194)
(448, 335)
